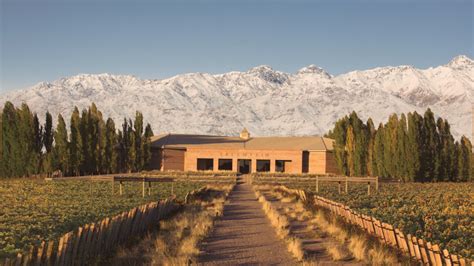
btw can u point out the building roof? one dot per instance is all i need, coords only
(183, 141)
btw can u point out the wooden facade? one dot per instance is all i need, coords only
(243, 154)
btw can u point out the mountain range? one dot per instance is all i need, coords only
(264, 100)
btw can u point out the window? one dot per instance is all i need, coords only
(205, 164)
(280, 165)
(225, 164)
(263, 165)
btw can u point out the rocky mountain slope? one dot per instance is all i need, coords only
(266, 101)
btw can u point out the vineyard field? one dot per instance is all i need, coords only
(33, 210)
(442, 213)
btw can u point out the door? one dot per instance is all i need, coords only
(244, 166)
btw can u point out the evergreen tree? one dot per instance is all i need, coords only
(147, 145)
(125, 146)
(76, 148)
(464, 160)
(110, 156)
(48, 133)
(60, 152)
(350, 148)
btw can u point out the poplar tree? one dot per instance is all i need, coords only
(48, 133)
(464, 160)
(447, 152)
(11, 148)
(38, 143)
(132, 151)
(110, 156)
(401, 150)
(26, 137)
(147, 145)
(139, 141)
(60, 151)
(350, 148)
(430, 162)
(339, 135)
(379, 151)
(415, 144)
(371, 164)
(76, 149)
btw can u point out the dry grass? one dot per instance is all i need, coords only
(295, 247)
(358, 247)
(337, 252)
(381, 256)
(176, 241)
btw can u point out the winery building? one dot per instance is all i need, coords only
(243, 154)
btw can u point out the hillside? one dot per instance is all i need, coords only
(266, 101)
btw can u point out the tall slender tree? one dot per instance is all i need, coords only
(76, 150)
(11, 147)
(60, 152)
(430, 163)
(371, 163)
(464, 160)
(110, 156)
(48, 133)
(414, 147)
(379, 151)
(350, 148)
(139, 141)
(147, 145)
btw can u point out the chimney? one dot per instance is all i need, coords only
(245, 135)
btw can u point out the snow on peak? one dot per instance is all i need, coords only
(460, 61)
(267, 73)
(269, 102)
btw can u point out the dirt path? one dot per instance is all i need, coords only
(244, 235)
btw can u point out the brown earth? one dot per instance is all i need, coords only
(244, 235)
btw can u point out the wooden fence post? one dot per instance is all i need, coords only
(317, 184)
(424, 254)
(339, 187)
(149, 188)
(143, 188)
(347, 184)
(120, 187)
(49, 253)
(437, 255)
(40, 254)
(447, 258)
(368, 188)
(377, 183)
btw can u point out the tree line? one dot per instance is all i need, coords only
(411, 147)
(91, 146)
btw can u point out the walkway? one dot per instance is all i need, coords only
(244, 235)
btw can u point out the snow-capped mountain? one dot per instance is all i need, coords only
(266, 101)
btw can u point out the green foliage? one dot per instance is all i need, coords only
(91, 147)
(409, 148)
(34, 210)
(442, 213)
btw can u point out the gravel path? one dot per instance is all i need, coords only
(244, 235)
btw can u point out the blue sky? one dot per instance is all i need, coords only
(45, 40)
